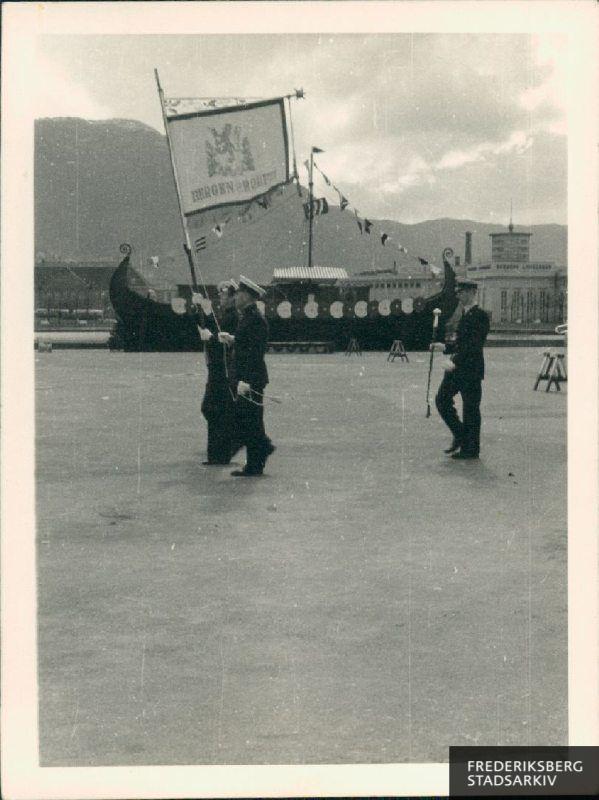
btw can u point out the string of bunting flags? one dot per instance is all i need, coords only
(320, 206)
(245, 215)
(365, 225)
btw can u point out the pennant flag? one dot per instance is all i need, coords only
(200, 244)
(327, 180)
(319, 206)
(246, 213)
(343, 201)
(423, 261)
(367, 225)
(384, 238)
(317, 150)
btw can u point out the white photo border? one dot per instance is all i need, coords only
(23, 23)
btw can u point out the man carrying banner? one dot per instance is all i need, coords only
(250, 372)
(218, 405)
(464, 373)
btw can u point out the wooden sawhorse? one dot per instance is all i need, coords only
(353, 346)
(397, 351)
(553, 370)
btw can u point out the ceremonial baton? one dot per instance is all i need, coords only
(272, 398)
(436, 314)
(265, 397)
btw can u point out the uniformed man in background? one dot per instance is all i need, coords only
(464, 373)
(218, 405)
(250, 344)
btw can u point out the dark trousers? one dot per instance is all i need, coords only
(249, 430)
(218, 410)
(467, 431)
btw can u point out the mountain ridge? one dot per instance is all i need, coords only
(99, 183)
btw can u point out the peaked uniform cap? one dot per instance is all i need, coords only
(245, 284)
(228, 284)
(466, 284)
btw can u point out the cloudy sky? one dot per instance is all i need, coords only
(414, 126)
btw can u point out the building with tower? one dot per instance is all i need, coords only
(516, 291)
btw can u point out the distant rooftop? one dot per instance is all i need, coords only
(310, 274)
(101, 263)
(377, 272)
(510, 232)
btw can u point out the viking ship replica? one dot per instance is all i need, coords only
(242, 206)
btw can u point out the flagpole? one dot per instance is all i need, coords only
(311, 207)
(187, 243)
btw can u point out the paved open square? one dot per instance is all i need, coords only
(367, 600)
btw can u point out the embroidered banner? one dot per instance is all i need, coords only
(229, 155)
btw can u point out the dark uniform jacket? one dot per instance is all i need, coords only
(467, 350)
(250, 347)
(216, 353)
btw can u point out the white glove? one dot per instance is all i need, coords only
(448, 366)
(205, 334)
(243, 388)
(199, 300)
(225, 338)
(436, 346)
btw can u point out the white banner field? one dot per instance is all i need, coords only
(229, 155)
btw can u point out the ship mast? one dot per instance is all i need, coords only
(310, 207)
(311, 202)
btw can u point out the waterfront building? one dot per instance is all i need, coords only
(396, 284)
(67, 289)
(80, 289)
(516, 291)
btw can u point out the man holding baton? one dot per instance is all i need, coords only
(218, 403)
(252, 377)
(464, 372)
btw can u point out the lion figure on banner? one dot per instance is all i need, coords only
(229, 152)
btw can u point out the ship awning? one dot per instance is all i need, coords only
(312, 274)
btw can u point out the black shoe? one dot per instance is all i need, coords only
(214, 463)
(246, 473)
(455, 445)
(461, 455)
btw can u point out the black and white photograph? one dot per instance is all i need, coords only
(299, 355)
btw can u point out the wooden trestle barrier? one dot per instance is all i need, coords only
(353, 346)
(301, 347)
(553, 370)
(397, 351)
